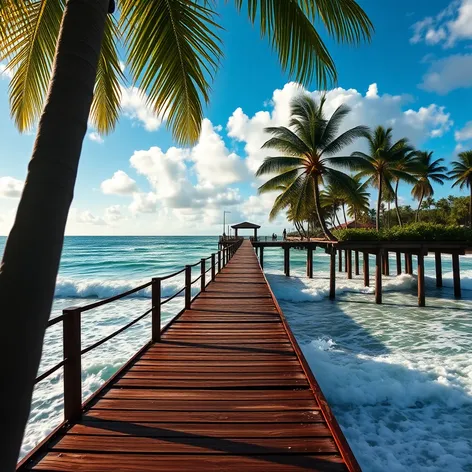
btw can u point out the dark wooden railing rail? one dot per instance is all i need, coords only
(71, 319)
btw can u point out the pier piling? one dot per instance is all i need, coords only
(356, 262)
(399, 263)
(421, 290)
(309, 262)
(437, 260)
(349, 263)
(287, 261)
(456, 273)
(366, 269)
(378, 277)
(332, 274)
(340, 260)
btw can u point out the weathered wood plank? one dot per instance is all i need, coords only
(224, 390)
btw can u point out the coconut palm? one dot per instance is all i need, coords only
(331, 202)
(307, 148)
(408, 164)
(357, 198)
(380, 164)
(462, 174)
(428, 170)
(63, 57)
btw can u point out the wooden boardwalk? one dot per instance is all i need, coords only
(226, 389)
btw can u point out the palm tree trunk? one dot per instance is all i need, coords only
(419, 207)
(379, 203)
(400, 222)
(323, 225)
(33, 250)
(344, 213)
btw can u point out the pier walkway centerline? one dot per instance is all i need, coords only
(225, 389)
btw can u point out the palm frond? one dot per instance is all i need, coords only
(29, 48)
(279, 181)
(272, 165)
(289, 27)
(285, 140)
(105, 109)
(173, 53)
(344, 139)
(287, 197)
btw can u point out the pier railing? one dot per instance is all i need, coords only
(71, 320)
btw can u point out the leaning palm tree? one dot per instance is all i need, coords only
(428, 170)
(63, 57)
(462, 174)
(307, 155)
(380, 164)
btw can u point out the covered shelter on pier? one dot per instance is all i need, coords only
(246, 225)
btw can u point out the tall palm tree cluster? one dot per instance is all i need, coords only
(318, 180)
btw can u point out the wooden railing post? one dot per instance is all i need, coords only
(156, 309)
(213, 267)
(188, 286)
(72, 365)
(202, 273)
(219, 261)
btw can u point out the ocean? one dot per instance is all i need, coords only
(398, 377)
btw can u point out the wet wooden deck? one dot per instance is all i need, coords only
(227, 389)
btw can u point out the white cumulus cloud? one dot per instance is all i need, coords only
(134, 105)
(120, 184)
(214, 164)
(448, 74)
(10, 187)
(95, 136)
(371, 109)
(464, 134)
(449, 26)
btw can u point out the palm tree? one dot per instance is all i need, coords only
(380, 165)
(65, 69)
(408, 165)
(307, 147)
(462, 174)
(428, 170)
(357, 198)
(331, 202)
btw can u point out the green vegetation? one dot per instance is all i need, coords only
(412, 232)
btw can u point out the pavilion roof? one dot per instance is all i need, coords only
(245, 225)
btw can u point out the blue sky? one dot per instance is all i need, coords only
(415, 75)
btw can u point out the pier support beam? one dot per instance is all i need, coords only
(332, 274)
(309, 262)
(366, 269)
(386, 264)
(437, 260)
(421, 291)
(408, 263)
(340, 260)
(261, 257)
(345, 260)
(378, 277)
(456, 273)
(399, 263)
(287, 261)
(349, 263)
(356, 262)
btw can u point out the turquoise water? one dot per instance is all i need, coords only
(398, 377)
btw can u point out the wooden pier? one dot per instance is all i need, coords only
(224, 387)
(380, 250)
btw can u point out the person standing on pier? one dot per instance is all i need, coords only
(284, 234)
